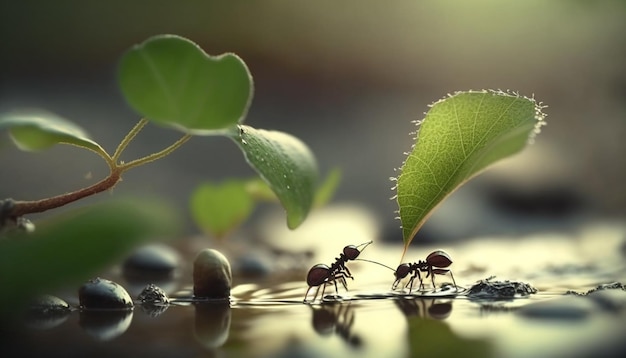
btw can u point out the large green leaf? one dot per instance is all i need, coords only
(37, 130)
(285, 164)
(170, 80)
(71, 248)
(459, 137)
(219, 208)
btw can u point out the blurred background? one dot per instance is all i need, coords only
(347, 78)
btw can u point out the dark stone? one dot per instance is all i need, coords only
(152, 261)
(152, 294)
(497, 290)
(101, 294)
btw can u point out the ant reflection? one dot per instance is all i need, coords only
(426, 308)
(335, 318)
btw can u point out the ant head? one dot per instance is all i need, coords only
(402, 271)
(352, 252)
(439, 259)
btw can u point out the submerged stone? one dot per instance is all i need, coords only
(102, 294)
(46, 312)
(212, 275)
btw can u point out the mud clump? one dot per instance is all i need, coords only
(498, 290)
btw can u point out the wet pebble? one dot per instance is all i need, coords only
(212, 275)
(46, 312)
(152, 295)
(154, 261)
(99, 293)
(249, 265)
(489, 289)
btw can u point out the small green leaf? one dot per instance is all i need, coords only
(285, 164)
(73, 247)
(37, 130)
(170, 80)
(459, 137)
(327, 189)
(217, 209)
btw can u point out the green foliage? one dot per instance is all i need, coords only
(74, 246)
(286, 165)
(169, 80)
(172, 81)
(217, 209)
(459, 137)
(37, 130)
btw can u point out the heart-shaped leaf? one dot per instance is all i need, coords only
(459, 137)
(170, 80)
(37, 130)
(219, 208)
(285, 164)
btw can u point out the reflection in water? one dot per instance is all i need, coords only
(425, 307)
(337, 318)
(212, 323)
(105, 325)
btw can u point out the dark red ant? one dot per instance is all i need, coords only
(321, 274)
(432, 266)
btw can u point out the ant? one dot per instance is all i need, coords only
(321, 274)
(433, 265)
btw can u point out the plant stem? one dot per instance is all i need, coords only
(129, 137)
(28, 207)
(21, 208)
(155, 156)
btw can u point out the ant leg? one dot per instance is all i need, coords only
(432, 277)
(420, 278)
(347, 271)
(453, 281)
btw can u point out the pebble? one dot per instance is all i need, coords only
(212, 275)
(99, 294)
(153, 261)
(47, 311)
(495, 290)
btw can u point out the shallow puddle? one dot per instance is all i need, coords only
(267, 318)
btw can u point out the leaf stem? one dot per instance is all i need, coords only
(155, 156)
(20, 208)
(129, 137)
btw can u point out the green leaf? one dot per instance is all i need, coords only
(217, 209)
(459, 137)
(171, 81)
(37, 130)
(285, 164)
(327, 189)
(73, 247)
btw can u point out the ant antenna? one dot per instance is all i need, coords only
(365, 244)
(377, 263)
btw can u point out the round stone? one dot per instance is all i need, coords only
(99, 294)
(152, 261)
(212, 275)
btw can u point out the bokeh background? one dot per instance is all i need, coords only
(347, 77)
